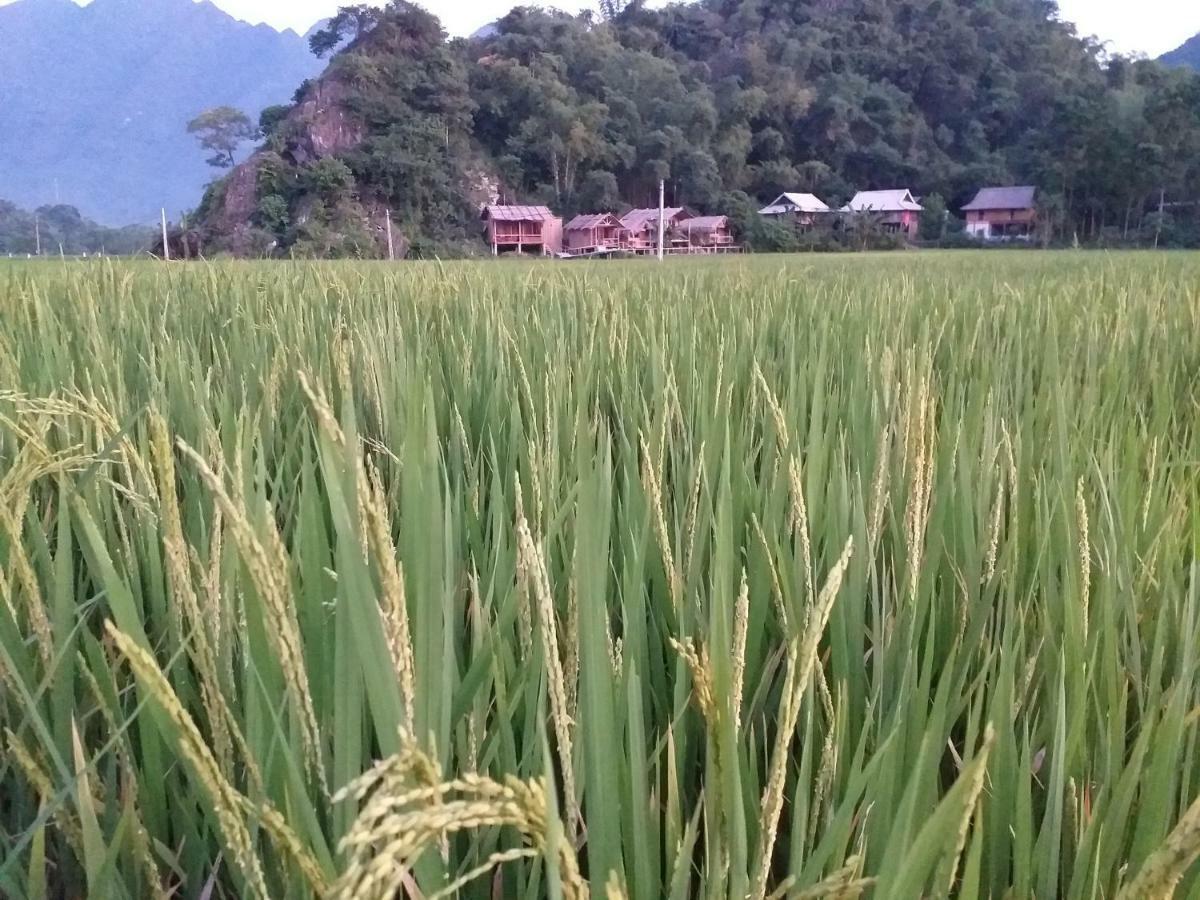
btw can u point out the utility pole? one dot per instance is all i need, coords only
(662, 219)
(166, 242)
(37, 234)
(391, 244)
(1162, 206)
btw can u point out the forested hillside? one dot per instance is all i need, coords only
(62, 229)
(1186, 54)
(731, 102)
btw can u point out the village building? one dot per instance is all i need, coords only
(898, 211)
(642, 225)
(598, 233)
(801, 210)
(523, 229)
(703, 234)
(1003, 214)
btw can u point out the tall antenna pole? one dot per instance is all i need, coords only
(391, 244)
(662, 219)
(166, 243)
(37, 233)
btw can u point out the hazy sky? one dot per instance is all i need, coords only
(1146, 26)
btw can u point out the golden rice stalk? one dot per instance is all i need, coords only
(1151, 475)
(781, 428)
(802, 657)
(129, 781)
(495, 861)
(1165, 868)
(800, 522)
(524, 610)
(921, 438)
(570, 644)
(614, 889)
(179, 577)
(224, 798)
(974, 776)
(693, 509)
(1085, 556)
(288, 844)
(879, 490)
(776, 582)
(700, 668)
(534, 567)
(267, 566)
(140, 836)
(39, 779)
(654, 490)
(322, 410)
(327, 421)
(35, 606)
(993, 550)
(394, 597)
(825, 775)
(741, 629)
(409, 810)
(844, 884)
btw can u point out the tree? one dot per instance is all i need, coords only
(933, 218)
(221, 131)
(350, 23)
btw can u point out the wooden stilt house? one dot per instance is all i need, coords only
(598, 233)
(523, 229)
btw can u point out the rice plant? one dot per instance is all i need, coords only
(788, 578)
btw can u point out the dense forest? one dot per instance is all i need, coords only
(62, 229)
(731, 102)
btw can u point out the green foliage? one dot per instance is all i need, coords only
(599, 191)
(221, 131)
(940, 97)
(271, 118)
(350, 24)
(328, 178)
(723, 578)
(718, 99)
(273, 213)
(62, 229)
(934, 217)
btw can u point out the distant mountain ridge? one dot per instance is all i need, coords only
(1186, 54)
(95, 100)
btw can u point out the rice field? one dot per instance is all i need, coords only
(777, 577)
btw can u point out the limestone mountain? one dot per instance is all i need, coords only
(1186, 54)
(95, 100)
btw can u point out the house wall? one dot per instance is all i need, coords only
(587, 238)
(580, 238)
(1002, 216)
(985, 223)
(905, 222)
(552, 236)
(546, 235)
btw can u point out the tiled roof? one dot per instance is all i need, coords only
(518, 213)
(637, 219)
(883, 201)
(789, 202)
(703, 223)
(587, 222)
(1003, 198)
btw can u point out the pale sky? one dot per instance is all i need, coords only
(1151, 27)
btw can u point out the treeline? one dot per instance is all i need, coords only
(61, 229)
(732, 102)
